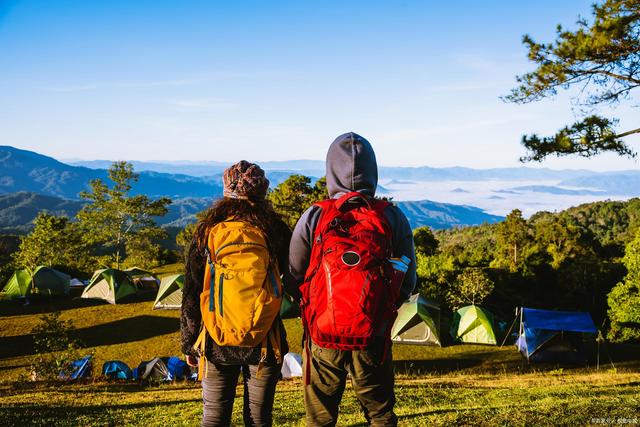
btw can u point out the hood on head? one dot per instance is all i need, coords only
(351, 166)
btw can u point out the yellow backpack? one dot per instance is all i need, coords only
(242, 291)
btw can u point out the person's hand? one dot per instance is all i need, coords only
(192, 361)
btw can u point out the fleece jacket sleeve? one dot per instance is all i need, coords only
(300, 250)
(403, 245)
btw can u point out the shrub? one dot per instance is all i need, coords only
(55, 345)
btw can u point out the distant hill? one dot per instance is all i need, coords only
(317, 168)
(22, 170)
(444, 215)
(17, 211)
(620, 183)
(558, 190)
(209, 168)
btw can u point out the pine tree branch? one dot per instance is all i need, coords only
(627, 133)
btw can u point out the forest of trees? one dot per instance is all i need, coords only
(571, 260)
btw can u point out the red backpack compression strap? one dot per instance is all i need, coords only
(331, 208)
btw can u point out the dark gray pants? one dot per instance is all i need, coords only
(372, 382)
(219, 391)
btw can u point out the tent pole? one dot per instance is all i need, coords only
(605, 346)
(521, 334)
(510, 328)
(598, 351)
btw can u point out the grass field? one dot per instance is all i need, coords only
(470, 385)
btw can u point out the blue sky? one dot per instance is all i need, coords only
(208, 80)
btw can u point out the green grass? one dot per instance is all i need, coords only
(469, 399)
(471, 385)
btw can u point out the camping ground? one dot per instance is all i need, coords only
(462, 384)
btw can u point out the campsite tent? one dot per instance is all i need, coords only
(154, 369)
(143, 279)
(116, 369)
(110, 285)
(135, 272)
(45, 281)
(291, 365)
(177, 367)
(170, 292)
(18, 285)
(78, 369)
(417, 322)
(162, 369)
(554, 336)
(473, 325)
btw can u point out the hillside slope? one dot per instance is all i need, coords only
(22, 170)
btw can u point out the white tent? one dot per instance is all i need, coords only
(291, 365)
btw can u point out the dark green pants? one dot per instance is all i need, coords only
(372, 382)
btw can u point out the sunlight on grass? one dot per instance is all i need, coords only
(469, 384)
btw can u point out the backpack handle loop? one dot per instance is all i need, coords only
(352, 196)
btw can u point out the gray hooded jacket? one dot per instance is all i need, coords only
(351, 166)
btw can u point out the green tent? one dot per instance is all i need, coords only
(417, 323)
(110, 285)
(170, 292)
(45, 281)
(289, 309)
(473, 325)
(18, 285)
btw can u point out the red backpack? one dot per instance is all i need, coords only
(347, 297)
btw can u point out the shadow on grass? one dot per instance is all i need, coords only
(62, 414)
(45, 305)
(8, 367)
(117, 332)
(41, 305)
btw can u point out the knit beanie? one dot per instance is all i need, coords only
(245, 180)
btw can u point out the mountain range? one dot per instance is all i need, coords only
(317, 167)
(30, 182)
(22, 170)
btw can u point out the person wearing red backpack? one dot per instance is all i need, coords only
(352, 264)
(231, 300)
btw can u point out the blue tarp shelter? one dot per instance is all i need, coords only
(554, 336)
(78, 369)
(115, 369)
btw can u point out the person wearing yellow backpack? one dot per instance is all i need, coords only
(230, 322)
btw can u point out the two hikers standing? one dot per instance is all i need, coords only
(351, 263)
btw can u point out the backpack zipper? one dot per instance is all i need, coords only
(239, 244)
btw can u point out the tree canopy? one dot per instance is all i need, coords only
(117, 225)
(601, 58)
(54, 241)
(293, 196)
(624, 299)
